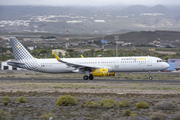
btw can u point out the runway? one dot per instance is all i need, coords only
(95, 80)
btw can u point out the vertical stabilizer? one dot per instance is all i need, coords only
(20, 52)
(23, 58)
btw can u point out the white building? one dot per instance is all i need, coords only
(30, 47)
(74, 21)
(5, 66)
(99, 21)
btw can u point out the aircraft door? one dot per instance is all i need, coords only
(149, 61)
(116, 63)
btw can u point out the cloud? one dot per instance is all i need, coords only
(88, 2)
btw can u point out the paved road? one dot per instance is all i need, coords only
(96, 80)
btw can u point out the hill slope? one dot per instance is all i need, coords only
(135, 9)
(146, 36)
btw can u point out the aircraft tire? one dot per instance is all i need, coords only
(150, 77)
(85, 77)
(91, 77)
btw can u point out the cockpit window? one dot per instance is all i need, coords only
(160, 61)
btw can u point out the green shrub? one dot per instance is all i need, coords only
(128, 113)
(46, 116)
(22, 99)
(108, 103)
(158, 116)
(20, 92)
(125, 103)
(4, 115)
(6, 100)
(142, 104)
(82, 105)
(89, 95)
(165, 105)
(66, 100)
(92, 104)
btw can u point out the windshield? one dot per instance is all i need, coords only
(160, 61)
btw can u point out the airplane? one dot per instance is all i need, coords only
(101, 66)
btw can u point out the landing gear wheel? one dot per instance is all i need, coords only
(150, 77)
(85, 77)
(91, 77)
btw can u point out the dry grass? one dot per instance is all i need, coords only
(51, 86)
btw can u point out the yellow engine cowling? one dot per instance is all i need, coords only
(102, 72)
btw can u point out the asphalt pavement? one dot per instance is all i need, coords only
(95, 80)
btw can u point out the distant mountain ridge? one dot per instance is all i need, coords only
(135, 9)
(139, 9)
(48, 10)
(83, 20)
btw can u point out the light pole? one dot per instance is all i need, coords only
(116, 38)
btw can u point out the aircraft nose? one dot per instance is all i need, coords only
(167, 65)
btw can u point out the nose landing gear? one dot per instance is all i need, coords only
(150, 77)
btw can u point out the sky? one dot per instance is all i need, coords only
(89, 2)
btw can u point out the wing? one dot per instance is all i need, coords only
(76, 66)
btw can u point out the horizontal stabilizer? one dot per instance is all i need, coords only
(14, 63)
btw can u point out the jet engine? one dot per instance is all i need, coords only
(102, 72)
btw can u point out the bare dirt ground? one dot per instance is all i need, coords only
(42, 96)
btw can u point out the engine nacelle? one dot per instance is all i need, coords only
(102, 72)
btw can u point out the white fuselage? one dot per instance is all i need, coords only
(114, 64)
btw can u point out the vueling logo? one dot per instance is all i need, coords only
(133, 59)
(129, 59)
(141, 58)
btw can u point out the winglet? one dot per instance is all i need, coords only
(56, 56)
(82, 56)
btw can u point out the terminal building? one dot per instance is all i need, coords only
(174, 64)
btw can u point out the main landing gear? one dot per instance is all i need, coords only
(150, 77)
(91, 77)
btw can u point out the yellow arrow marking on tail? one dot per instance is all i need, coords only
(82, 56)
(56, 56)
